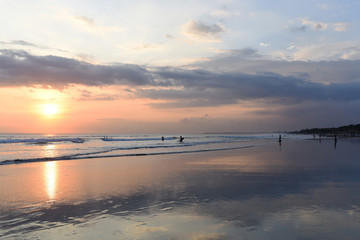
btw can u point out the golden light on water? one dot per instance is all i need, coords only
(49, 150)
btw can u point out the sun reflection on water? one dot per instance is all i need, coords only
(49, 150)
(50, 172)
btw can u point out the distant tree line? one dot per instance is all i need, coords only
(349, 130)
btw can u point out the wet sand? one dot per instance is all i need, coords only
(301, 189)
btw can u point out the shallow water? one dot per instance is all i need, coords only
(20, 148)
(301, 189)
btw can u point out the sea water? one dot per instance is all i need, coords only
(19, 148)
(299, 189)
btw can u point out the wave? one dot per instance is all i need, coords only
(40, 140)
(135, 139)
(91, 155)
(113, 149)
(80, 139)
(157, 146)
(24, 148)
(224, 137)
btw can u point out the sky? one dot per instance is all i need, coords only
(185, 66)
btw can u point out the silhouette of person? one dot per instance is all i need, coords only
(181, 139)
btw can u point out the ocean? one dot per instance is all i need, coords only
(20, 148)
(210, 186)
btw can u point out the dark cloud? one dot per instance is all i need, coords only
(184, 87)
(250, 62)
(19, 68)
(325, 113)
(205, 88)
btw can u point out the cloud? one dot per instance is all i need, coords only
(88, 21)
(231, 55)
(145, 46)
(303, 24)
(220, 13)
(195, 87)
(169, 36)
(91, 25)
(249, 61)
(318, 26)
(201, 88)
(205, 117)
(324, 6)
(86, 95)
(340, 27)
(204, 30)
(208, 236)
(328, 51)
(297, 28)
(291, 46)
(84, 57)
(19, 68)
(264, 44)
(21, 43)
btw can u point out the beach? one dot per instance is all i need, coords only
(180, 120)
(299, 189)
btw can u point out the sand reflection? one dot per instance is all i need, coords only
(50, 172)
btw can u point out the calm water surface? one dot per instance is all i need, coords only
(303, 189)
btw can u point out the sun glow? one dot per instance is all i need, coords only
(50, 109)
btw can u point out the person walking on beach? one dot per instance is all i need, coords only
(279, 138)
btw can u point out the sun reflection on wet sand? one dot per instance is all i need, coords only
(50, 170)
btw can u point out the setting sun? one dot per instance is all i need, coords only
(50, 109)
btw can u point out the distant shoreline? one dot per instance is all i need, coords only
(343, 131)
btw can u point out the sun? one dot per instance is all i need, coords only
(50, 109)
